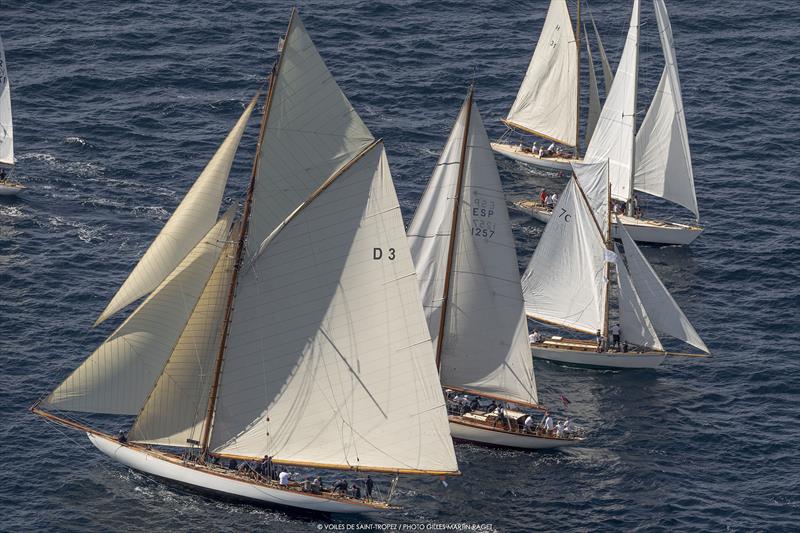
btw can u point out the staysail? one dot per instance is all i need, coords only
(594, 93)
(6, 125)
(485, 338)
(593, 181)
(564, 283)
(608, 74)
(546, 103)
(663, 159)
(634, 322)
(664, 313)
(614, 135)
(191, 220)
(118, 377)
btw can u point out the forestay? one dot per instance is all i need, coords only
(118, 377)
(663, 160)
(191, 220)
(564, 283)
(176, 408)
(328, 360)
(634, 322)
(485, 346)
(664, 313)
(6, 125)
(613, 137)
(546, 103)
(311, 130)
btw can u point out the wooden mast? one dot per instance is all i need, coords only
(453, 229)
(630, 209)
(578, 81)
(212, 397)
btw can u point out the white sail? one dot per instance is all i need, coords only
(547, 99)
(191, 220)
(593, 179)
(311, 130)
(663, 160)
(328, 359)
(118, 377)
(608, 73)
(564, 283)
(175, 411)
(664, 313)
(614, 135)
(634, 322)
(594, 93)
(6, 125)
(429, 230)
(485, 346)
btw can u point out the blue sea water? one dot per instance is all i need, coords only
(118, 105)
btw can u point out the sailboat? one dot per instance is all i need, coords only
(656, 160)
(7, 161)
(548, 102)
(295, 333)
(463, 249)
(568, 284)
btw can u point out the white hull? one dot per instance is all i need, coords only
(219, 482)
(499, 437)
(8, 188)
(599, 360)
(515, 152)
(641, 230)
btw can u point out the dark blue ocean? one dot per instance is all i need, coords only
(118, 106)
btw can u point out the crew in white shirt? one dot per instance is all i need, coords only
(283, 478)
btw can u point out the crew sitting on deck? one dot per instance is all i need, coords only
(122, 437)
(340, 487)
(543, 197)
(550, 202)
(356, 491)
(283, 478)
(529, 425)
(567, 427)
(535, 337)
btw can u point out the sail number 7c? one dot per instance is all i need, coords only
(566, 216)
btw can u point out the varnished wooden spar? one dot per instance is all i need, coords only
(515, 126)
(214, 391)
(453, 230)
(496, 397)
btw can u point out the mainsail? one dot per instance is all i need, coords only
(565, 282)
(614, 135)
(663, 160)
(484, 348)
(194, 216)
(6, 125)
(547, 100)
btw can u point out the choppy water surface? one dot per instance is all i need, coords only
(119, 105)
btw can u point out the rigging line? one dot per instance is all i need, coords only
(352, 371)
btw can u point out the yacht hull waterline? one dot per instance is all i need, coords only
(641, 230)
(11, 189)
(598, 359)
(476, 433)
(515, 152)
(174, 470)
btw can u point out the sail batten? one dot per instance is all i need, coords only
(547, 99)
(193, 217)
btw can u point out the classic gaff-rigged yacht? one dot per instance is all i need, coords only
(568, 284)
(285, 336)
(656, 160)
(463, 249)
(548, 102)
(8, 187)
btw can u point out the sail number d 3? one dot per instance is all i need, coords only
(377, 254)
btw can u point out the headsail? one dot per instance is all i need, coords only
(608, 74)
(564, 283)
(329, 360)
(613, 138)
(311, 130)
(593, 179)
(663, 160)
(634, 322)
(547, 99)
(118, 377)
(6, 125)
(191, 220)
(664, 313)
(485, 343)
